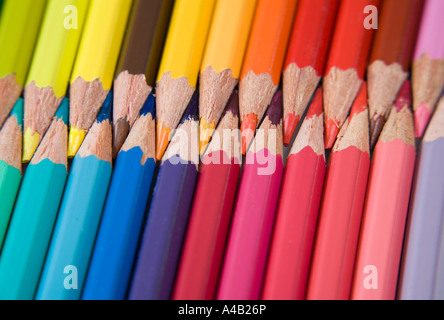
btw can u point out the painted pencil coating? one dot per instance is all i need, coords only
(10, 164)
(34, 213)
(138, 64)
(167, 217)
(428, 65)
(422, 256)
(296, 217)
(306, 58)
(206, 233)
(19, 27)
(51, 68)
(390, 57)
(80, 210)
(247, 248)
(95, 64)
(382, 232)
(340, 215)
(115, 247)
(347, 61)
(222, 61)
(180, 64)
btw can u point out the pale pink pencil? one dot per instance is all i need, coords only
(249, 239)
(428, 65)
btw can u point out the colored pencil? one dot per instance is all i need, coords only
(383, 223)
(160, 249)
(210, 215)
(422, 254)
(79, 214)
(340, 216)
(390, 58)
(138, 63)
(112, 259)
(95, 64)
(50, 70)
(346, 63)
(35, 212)
(253, 216)
(297, 213)
(261, 70)
(180, 64)
(428, 65)
(19, 27)
(305, 61)
(222, 61)
(10, 164)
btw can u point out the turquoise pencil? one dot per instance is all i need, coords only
(115, 248)
(35, 212)
(10, 164)
(79, 215)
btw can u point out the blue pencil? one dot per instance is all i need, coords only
(422, 273)
(167, 218)
(115, 248)
(75, 231)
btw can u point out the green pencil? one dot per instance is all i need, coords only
(19, 26)
(35, 212)
(10, 164)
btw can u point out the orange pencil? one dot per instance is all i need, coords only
(347, 61)
(261, 70)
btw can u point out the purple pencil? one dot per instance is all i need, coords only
(422, 272)
(168, 214)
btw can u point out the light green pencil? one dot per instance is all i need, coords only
(10, 164)
(35, 212)
(19, 26)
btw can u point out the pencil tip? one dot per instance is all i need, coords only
(205, 133)
(291, 122)
(30, 144)
(17, 111)
(331, 132)
(75, 139)
(248, 127)
(120, 132)
(422, 117)
(376, 125)
(163, 138)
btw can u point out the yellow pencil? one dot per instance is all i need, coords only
(180, 64)
(19, 27)
(51, 68)
(222, 62)
(95, 64)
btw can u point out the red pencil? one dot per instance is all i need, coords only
(386, 204)
(341, 210)
(211, 211)
(293, 235)
(347, 62)
(306, 55)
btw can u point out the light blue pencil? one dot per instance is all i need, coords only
(79, 215)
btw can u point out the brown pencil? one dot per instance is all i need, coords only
(138, 63)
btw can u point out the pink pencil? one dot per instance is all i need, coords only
(428, 65)
(386, 204)
(253, 218)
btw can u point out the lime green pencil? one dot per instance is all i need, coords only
(51, 67)
(10, 164)
(35, 212)
(19, 27)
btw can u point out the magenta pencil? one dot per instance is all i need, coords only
(253, 218)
